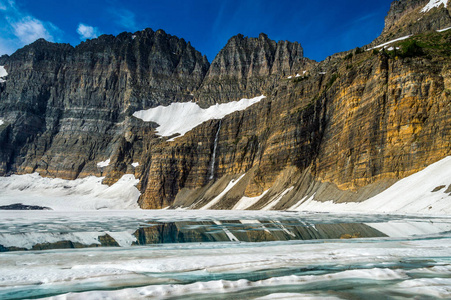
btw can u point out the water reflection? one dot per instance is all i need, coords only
(41, 230)
(249, 231)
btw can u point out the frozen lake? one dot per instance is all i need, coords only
(222, 255)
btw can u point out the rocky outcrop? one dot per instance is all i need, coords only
(343, 129)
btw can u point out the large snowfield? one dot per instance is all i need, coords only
(69, 195)
(182, 117)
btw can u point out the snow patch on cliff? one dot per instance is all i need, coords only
(390, 42)
(425, 192)
(3, 73)
(444, 29)
(246, 202)
(182, 117)
(277, 199)
(434, 3)
(1, 122)
(103, 164)
(66, 195)
(218, 198)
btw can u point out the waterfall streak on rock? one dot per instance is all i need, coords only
(213, 156)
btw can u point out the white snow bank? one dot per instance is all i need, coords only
(1, 122)
(246, 202)
(3, 73)
(225, 191)
(81, 194)
(444, 29)
(182, 117)
(410, 228)
(135, 164)
(277, 199)
(434, 3)
(103, 164)
(390, 42)
(410, 195)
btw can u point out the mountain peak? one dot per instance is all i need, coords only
(407, 17)
(244, 61)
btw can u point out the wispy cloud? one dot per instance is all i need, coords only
(2, 5)
(19, 28)
(123, 18)
(87, 32)
(29, 29)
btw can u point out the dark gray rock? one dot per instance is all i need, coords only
(247, 67)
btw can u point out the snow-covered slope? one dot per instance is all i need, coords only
(182, 117)
(434, 3)
(81, 194)
(425, 192)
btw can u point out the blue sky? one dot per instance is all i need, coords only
(322, 27)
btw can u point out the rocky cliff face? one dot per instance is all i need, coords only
(343, 129)
(407, 17)
(66, 108)
(250, 66)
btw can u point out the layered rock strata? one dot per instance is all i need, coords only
(343, 129)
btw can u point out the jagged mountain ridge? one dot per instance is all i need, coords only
(345, 131)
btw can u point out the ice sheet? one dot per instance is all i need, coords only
(408, 264)
(175, 270)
